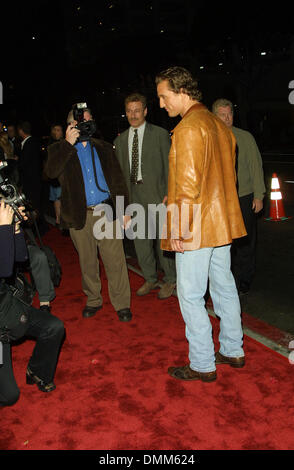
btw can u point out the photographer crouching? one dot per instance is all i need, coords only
(18, 319)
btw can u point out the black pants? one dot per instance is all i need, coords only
(41, 273)
(49, 332)
(243, 249)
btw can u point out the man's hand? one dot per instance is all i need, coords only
(6, 214)
(72, 134)
(17, 224)
(177, 245)
(127, 221)
(257, 205)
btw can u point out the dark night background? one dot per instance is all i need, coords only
(54, 54)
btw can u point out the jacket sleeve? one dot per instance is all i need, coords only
(190, 151)
(118, 180)
(165, 142)
(12, 248)
(116, 142)
(233, 144)
(58, 156)
(21, 251)
(116, 149)
(255, 167)
(113, 173)
(6, 250)
(189, 155)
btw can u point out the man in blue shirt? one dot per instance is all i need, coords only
(89, 174)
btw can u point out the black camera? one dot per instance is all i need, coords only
(86, 128)
(10, 194)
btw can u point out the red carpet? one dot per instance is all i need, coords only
(113, 390)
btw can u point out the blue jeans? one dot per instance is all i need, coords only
(194, 269)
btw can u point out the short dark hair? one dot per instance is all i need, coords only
(136, 97)
(180, 80)
(25, 126)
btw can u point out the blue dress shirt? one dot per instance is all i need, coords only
(93, 195)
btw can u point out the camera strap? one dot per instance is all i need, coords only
(94, 169)
(30, 234)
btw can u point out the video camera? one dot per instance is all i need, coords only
(10, 194)
(86, 128)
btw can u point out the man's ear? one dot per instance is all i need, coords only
(145, 112)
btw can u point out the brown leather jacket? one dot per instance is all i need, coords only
(202, 176)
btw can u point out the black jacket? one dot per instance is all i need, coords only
(12, 249)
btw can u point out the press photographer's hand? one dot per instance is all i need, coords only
(127, 221)
(6, 214)
(72, 134)
(17, 224)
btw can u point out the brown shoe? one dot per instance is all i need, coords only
(166, 290)
(146, 288)
(236, 362)
(186, 373)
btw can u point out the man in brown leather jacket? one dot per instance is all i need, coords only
(204, 217)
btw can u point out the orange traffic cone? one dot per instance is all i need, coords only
(277, 212)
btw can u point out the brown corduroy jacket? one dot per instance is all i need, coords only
(63, 163)
(202, 179)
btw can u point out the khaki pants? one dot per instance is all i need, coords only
(113, 258)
